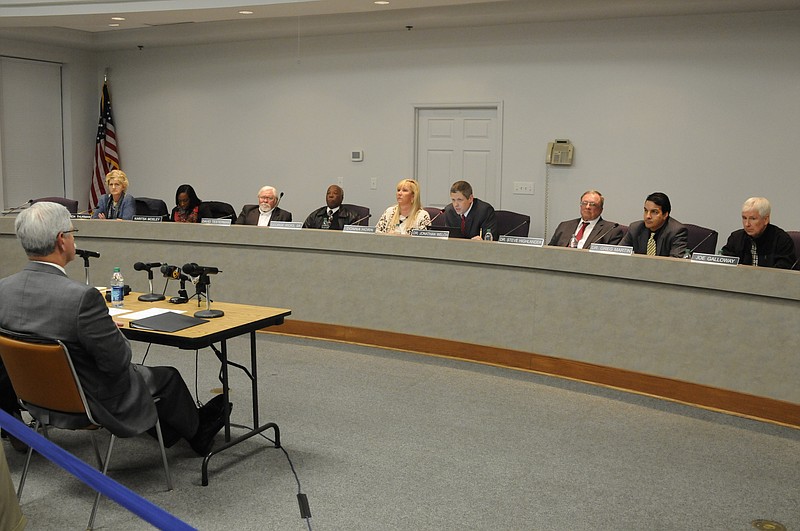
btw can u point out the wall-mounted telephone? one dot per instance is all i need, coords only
(559, 152)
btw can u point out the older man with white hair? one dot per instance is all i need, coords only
(759, 243)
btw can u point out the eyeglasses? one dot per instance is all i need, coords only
(589, 204)
(68, 231)
(266, 198)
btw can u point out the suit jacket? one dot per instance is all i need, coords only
(41, 300)
(603, 232)
(341, 217)
(480, 219)
(125, 210)
(775, 248)
(250, 214)
(671, 238)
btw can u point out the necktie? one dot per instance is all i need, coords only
(754, 253)
(330, 216)
(463, 225)
(581, 230)
(651, 244)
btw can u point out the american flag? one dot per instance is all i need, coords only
(106, 157)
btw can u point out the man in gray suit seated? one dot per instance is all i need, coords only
(41, 300)
(658, 234)
(590, 227)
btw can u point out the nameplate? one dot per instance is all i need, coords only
(80, 216)
(605, 248)
(361, 229)
(291, 225)
(216, 221)
(148, 218)
(440, 234)
(701, 258)
(522, 240)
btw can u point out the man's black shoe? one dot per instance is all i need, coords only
(211, 409)
(203, 440)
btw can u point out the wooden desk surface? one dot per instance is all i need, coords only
(238, 319)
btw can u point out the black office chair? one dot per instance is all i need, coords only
(512, 223)
(362, 213)
(795, 236)
(146, 206)
(437, 215)
(217, 210)
(71, 204)
(701, 239)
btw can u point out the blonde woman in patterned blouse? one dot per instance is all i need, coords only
(407, 214)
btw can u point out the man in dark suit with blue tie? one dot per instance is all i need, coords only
(475, 217)
(42, 301)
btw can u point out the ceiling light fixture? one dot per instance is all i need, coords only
(118, 18)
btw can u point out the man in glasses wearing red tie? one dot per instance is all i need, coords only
(475, 217)
(589, 228)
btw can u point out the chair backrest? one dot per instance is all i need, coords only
(795, 236)
(362, 213)
(512, 223)
(217, 210)
(42, 375)
(146, 206)
(436, 211)
(701, 239)
(71, 204)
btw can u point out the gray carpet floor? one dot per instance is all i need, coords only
(392, 440)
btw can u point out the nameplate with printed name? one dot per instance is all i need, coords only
(156, 219)
(701, 258)
(522, 240)
(81, 216)
(291, 225)
(359, 229)
(440, 234)
(605, 248)
(216, 221)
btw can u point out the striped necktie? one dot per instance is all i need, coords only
(651, 245)
(754, 253)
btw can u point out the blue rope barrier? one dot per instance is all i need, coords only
(125, 497)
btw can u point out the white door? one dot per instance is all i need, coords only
(455, 143)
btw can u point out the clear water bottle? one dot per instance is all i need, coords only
(573, 242)
(488, 235)
(117, 288)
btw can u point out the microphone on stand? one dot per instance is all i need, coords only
(278, 202)
(436, 216)
(86, 255)
(194, 270)
(604, 234)
(356, 222)
(518, 226)
(17, 208)
(689, 252)
(149, 297)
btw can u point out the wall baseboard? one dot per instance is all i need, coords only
(736, 403)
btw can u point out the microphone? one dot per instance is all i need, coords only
(356, 222)
(278, 202)
(87, 254)
(794, 264)
(17, 208)
(149, 297)
(604, 234)
(194, 270)
(518, 226)
(690, 252)
(141, 266)
(436, 216)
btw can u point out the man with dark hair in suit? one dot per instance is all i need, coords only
(266, 211)
(590, 227)
(760, 243)
(475, 217)
(42, 301)
(333, 215)
(658, 234)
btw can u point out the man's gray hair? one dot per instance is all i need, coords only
(760, 204)
(38, 226)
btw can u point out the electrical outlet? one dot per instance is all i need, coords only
(373, 183)
(523, 187)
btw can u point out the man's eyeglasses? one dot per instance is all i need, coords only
(68, 231)
(589, 204)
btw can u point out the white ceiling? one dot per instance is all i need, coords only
(85, 23)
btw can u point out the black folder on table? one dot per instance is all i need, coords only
(167, 322)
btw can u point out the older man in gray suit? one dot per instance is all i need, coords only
(41, 300)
